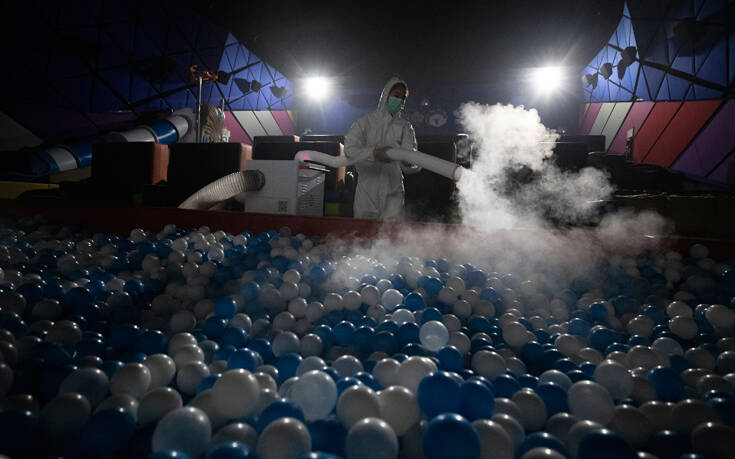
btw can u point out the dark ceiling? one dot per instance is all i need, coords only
(426, 43)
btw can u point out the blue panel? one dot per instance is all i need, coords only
(122, 35)
(630, 77)
(678, 87)
(626, 12)
(211, 36)
(79, 13)
(230, 39)
(229, 55)
(682, 9)
(176, 43)
(144, 48)
(707, 93)
(732, 57)
(673, 47)
(710, 7)
(644, 31)
(111, 55)
(210, 58)
(715, 67)
(157, 33)
(663, 92)
(684, 64)
(242, 57)
(139, 89)
(654, 77)
(76, 90)
(657, 50)
(183, 62)
(103, 100)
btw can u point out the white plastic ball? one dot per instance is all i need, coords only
(495, 443)
(615, 378)
(488, 364)
(399, 408)
(157, 403)
(347, 365)
(433, 335)
(589, 400)
(190, 375)
(315, 393)
(66, 414)
(133, 379)
(185, 429)
(385, 372)
(284, 438)
(92, 383)
(371, 438)
(235, 393)
(413, 370)
(355, 403)
(351, 300)
(532, 408)
(236, 431)
(311, 344)
(162, 369)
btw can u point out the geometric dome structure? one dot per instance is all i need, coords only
(665, 81)
(84, 68)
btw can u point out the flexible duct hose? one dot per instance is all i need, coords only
(428, 162)
(224, 188)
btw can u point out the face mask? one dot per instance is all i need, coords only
(395, 105)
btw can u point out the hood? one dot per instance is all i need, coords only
(386, 89)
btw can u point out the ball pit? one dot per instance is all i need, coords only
(200, 343)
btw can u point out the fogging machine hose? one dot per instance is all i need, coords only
(225, 188)
(438, 166)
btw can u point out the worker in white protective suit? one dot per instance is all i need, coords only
(379, 193)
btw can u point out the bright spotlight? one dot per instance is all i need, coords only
(547, 79)
(316, 87)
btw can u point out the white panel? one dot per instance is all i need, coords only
(250, 123)
(13, 136)
(616, 119)
(602, 117)
(63, 157)
(268, 122)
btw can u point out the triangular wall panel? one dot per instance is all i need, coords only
(632, 123)
(714, 142)
(681, 130)
(656, 122)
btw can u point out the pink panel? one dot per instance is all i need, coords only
(589, 118)
(635, 119)
(237, 134)
(284, 122)
(726, 171)
(713, 143)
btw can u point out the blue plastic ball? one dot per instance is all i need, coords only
(451, 435)
(554, 397)
(605, 444)
(541, 440)
(108, 431)
(343, 333)
(450, 359)
(234, 336)
(328, 435)
(438, 393)
(225, 307)
(243, 358)
(505, 386)
(281, 408)
(476, 400)
(668, 384)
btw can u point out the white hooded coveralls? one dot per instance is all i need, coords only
(379, 193)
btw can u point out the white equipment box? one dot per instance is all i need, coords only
(291, 187)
